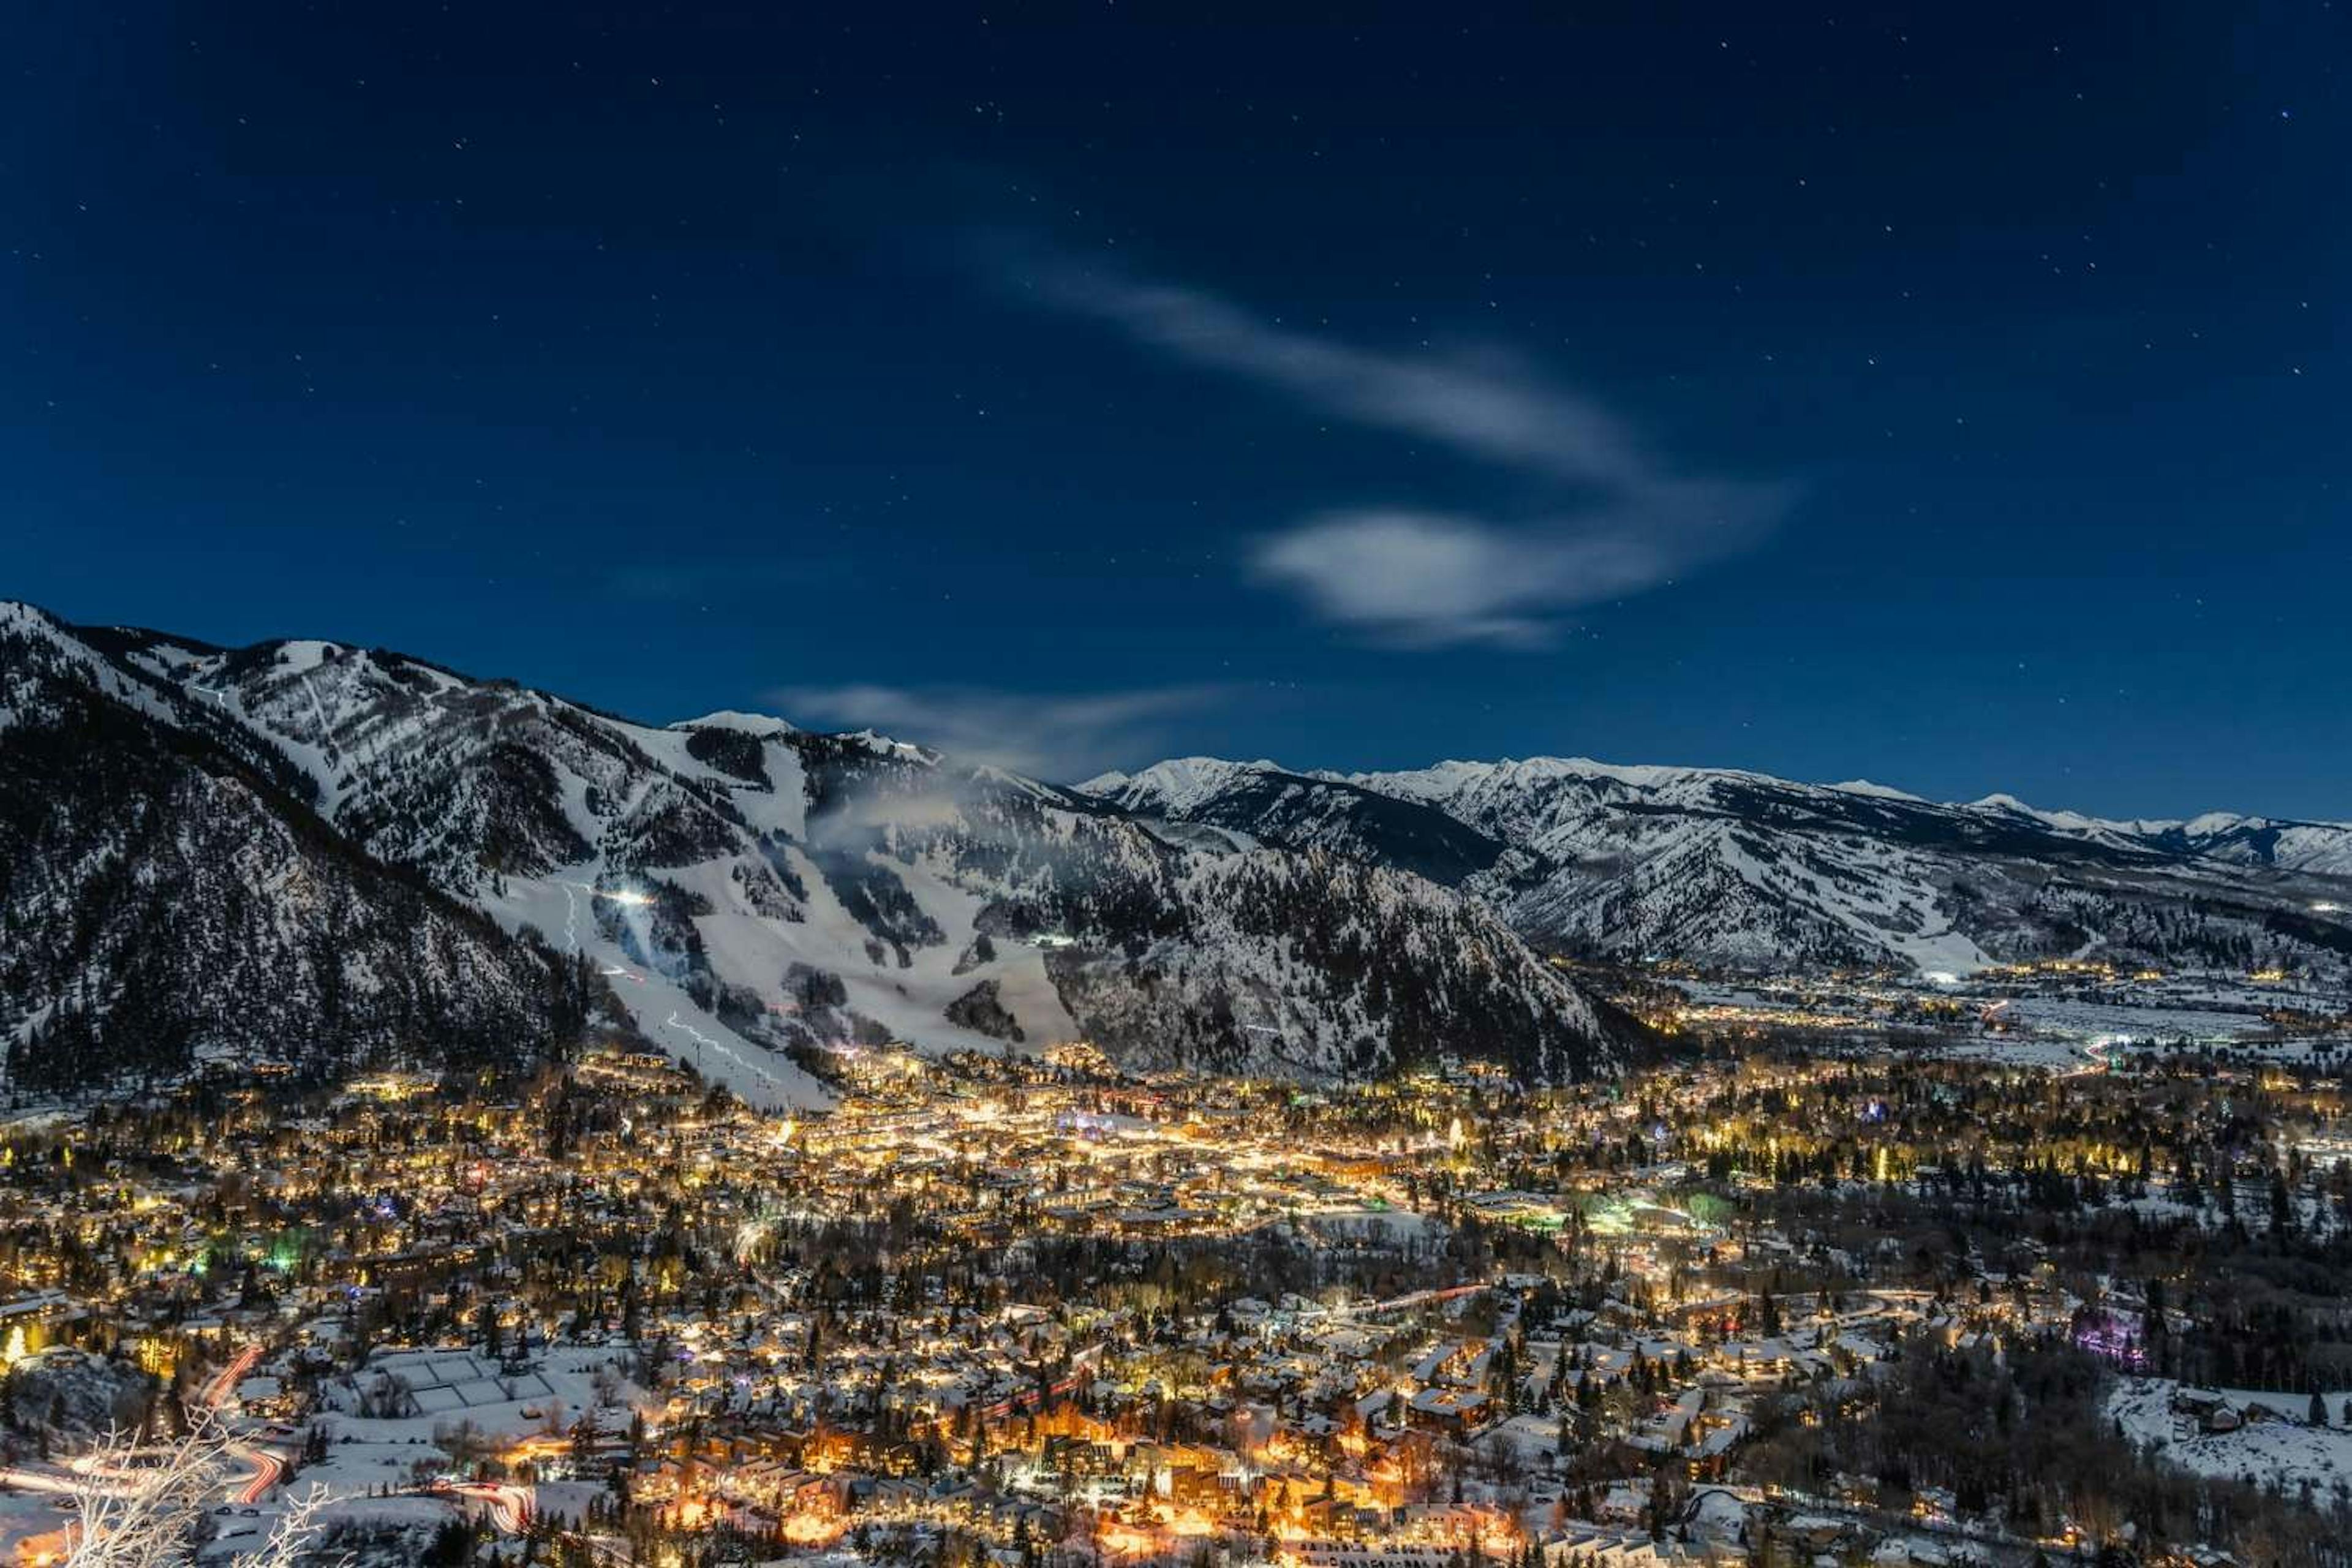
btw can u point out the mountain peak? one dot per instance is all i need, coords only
(761, 724)
(1175, 786)
(1882, 792)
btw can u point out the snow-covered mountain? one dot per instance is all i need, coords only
(163, 898)
(747, 894)
(1742, 868)
(1246, 802)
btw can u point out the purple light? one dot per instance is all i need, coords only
(2113, 1337)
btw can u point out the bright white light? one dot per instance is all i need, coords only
(618, 895)
(2323, 908)
(1942, 978)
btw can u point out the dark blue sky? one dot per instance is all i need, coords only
(1954, 396)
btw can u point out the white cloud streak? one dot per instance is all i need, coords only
(1053, 737)
(1622, 520)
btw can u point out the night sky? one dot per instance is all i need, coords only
(1954, 398)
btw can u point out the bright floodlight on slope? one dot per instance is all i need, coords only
(630, 896)
(2322, 907)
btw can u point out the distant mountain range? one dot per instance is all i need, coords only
(1733, 868)
(325, 855)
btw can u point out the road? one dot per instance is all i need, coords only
(223, 1388)
(23, 1477)
(1030, 1398)
(268, 1468)
(1410, 1299)
(509, 1507)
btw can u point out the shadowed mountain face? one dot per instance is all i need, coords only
(1259, 800)
(1744, 869)
(323, 852)
(164, 900)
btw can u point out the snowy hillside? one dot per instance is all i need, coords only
(161, 900)
(1323, 966)
(1261, 800)
(754, 897)
(1742, 868)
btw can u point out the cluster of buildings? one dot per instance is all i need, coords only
(1030, 1310)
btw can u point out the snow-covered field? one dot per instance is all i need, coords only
(2276, 1447)
(2056, 1032)
(2066, 1018)
(374, 1464)
(446, 1387)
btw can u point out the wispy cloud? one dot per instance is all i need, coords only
(1423, 579)
(1064, 737)
(1621, 518)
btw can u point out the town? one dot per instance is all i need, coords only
(1757, 1303)
(1373, 785)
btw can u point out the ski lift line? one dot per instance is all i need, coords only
(698, 1036)
(326, 731)
(722, 1048)
(613, 971)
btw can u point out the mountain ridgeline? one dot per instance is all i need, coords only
(168, 898)
(330, 857)
(1746, 871)
(327, 856)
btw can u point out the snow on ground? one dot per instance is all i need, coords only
(747, 948)
(1947, 950)
(781, 806)
(1391, 1227)
(2276, 1447)
(2011, 1050)
(28, 1517)
(368, 1454)
(448, 1387)
(754, 950)
(561, 906)
(2067, 1018)
(1177, 785)
(568, 1500)
(376, 1467)
(1530, 1437)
